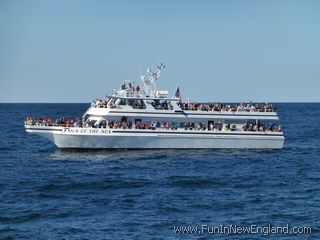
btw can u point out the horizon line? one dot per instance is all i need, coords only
(182, 101)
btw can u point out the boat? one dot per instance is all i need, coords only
(135, 117)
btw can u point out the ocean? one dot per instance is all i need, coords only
(46, 193)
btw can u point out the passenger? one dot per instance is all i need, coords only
(124, 125)
(233, 127)
(245, 127)
(219, 126)
(116, 125)
(261, 128)
(154, 125)
(240, 108)
(224, 129)
(270, 128)
(211, 126)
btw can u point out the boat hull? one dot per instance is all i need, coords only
(81, 138)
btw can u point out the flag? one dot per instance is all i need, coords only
(178, 95)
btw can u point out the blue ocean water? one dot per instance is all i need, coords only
(46, 193)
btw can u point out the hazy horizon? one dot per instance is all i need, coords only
(226, 51)
(182, 100)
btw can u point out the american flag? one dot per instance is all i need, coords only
(178, 95)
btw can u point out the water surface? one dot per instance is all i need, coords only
(46, 193)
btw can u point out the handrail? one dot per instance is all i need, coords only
(275, 129)
(204, 107)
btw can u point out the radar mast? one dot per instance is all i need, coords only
(149, 87)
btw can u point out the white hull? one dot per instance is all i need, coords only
(84, 138)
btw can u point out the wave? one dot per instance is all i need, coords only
(89, 186)
(198, 182)
(19, 219)
(6, 149)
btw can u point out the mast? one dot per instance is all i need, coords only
(150, 87)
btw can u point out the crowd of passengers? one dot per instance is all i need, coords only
(99, 103)
(165, 105)
(187, 126)
(62, 122)
(261, 127)
(194, 106)
(153, 125)
(220, 107)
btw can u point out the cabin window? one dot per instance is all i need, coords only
(235, 121)
(138, 104)
(162, 104)
(130, 102)
(122, 102)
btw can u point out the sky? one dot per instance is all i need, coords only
(230, 51)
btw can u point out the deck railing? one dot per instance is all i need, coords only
(223, 128)
(205, 107)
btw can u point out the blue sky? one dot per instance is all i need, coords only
(74, 51)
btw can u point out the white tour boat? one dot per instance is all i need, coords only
(146, 118)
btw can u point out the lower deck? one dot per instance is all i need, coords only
(106, 138)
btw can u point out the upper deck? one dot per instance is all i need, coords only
(147, 101)
(173, 108)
